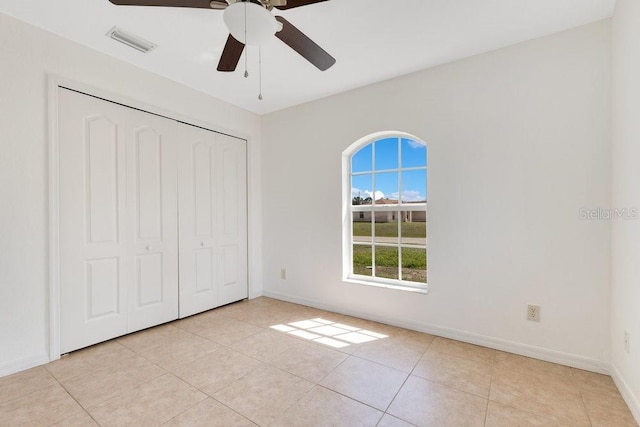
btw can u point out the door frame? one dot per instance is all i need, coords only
(54, 84)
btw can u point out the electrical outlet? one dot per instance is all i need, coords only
(283, 273)
(533, 313)
(627, 338)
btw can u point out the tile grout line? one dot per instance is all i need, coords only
(351, 398)
(318, 383)
(584, 405)
(85, 410)
(405, 381)
(231, 409)
(237, 379)
(206, 396)
(493, 369)
(382, 364)
(227, 347)
(270, 363)
(115, 340)
(349, 355)
(31, 392)
(296, 401)
(396, 395)
(332, 370)
(548, 417)
(253, 370)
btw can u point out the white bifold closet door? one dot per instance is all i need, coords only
(213, 220)
(118, 220)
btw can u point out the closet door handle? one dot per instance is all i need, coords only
(202, 244)
(148, 247)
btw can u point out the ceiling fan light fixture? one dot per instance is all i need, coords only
(250, 23)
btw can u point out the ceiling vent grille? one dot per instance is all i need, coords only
(131, 40)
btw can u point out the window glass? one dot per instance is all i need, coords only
(386, 154)
(414, 186)
(362, 160)
(386, 228)
(362, 227)
(361, 189)
(387, 262)
(414, 154)
(414, 264)
(413, 228)
(362, 264)
(386, 188)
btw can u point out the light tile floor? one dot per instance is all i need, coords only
(269, 362)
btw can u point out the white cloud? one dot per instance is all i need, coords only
(414, 144)
(355, 192)
(409, 196)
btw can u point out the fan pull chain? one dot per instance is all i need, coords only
(260, 71)
(246, 71)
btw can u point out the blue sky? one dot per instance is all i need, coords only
(414, 183)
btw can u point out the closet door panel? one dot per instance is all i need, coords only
(203, 161)
(148, 150)
(198, 198)
(204, 271)
(92, 229)
(149, 280)
(152, 220)
(101, 175)
(103, 284)
(232, 222)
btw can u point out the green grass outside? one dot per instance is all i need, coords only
(390, 229)
(414, 262)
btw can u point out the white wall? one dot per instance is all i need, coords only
(27, 55)
(519, 141)
(625, 307)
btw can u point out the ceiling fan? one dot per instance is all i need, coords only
(250, 22)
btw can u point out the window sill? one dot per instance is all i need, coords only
(387, 285)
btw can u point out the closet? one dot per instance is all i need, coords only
(152, 219)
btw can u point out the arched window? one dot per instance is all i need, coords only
(385, 211)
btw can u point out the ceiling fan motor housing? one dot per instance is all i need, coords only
(250, 23)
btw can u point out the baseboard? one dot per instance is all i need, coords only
(23, 364)
(627, 394)
(547, 355)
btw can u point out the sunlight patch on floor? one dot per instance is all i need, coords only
(332, 334)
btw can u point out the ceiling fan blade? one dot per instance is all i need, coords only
(297, 3)
(296, 40)
(230, 55)
(202, 4)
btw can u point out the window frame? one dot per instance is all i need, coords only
(348, 210)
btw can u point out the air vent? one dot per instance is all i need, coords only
(131, 40)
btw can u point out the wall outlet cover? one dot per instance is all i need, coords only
(533, 313)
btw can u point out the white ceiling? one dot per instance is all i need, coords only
(372, 40)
